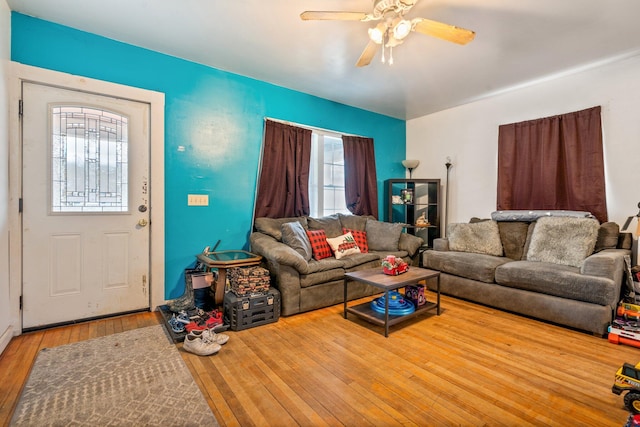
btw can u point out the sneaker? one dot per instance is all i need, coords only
(183, 317)
(208, 335)
(197, 345)
(200, 324)
(176, 325)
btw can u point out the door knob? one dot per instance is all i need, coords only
(143, 222)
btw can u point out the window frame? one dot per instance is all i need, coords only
(317, 176)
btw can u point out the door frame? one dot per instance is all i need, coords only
(19, 73)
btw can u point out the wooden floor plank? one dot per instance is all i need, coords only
(472, 366)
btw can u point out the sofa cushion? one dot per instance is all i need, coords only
(625, 241)
(295, 236)
(479, 237)
(325, 264)
(513, 236)
(344, 245)
(559, 280)
(398, 254)
(356, 260)
(409, 243)
(330, 224)
(532, 226)
(608, 234)
(271, 226)
(354, 222)
(563, 240)
(319, 246)
(361, 238)
(323, 276)
(480, 267)
(383, 236)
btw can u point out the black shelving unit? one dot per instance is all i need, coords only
(424, 199)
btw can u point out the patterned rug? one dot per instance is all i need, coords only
(132, 378)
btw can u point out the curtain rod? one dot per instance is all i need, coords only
(310, 127)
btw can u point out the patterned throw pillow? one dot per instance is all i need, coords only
(361, 238)
(344, 245)
(319, 246)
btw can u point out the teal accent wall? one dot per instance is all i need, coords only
(217, 117)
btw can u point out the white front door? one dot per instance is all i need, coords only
(85, 210)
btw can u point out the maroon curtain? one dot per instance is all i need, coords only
(283, 188)
(553, 163)
(360, 180)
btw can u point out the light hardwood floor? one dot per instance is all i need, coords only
(472, 365)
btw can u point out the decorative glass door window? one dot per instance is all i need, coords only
(89, 167)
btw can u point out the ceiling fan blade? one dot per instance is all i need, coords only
(334, 16)
(367, 54)
(443, 31)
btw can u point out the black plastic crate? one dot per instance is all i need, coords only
(244, 312)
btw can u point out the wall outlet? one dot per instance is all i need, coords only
(198, 200)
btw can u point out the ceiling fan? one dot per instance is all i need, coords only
(393, 28)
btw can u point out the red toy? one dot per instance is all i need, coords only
(394, 266)
(617, 339)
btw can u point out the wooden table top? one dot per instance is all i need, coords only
(375, 277)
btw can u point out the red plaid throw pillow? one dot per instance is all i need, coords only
(361, 238)
(319, 246)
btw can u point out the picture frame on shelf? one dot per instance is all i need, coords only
(406, 194)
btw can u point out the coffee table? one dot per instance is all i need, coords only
(222, 260)
(375, 277)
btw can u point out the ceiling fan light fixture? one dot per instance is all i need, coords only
(401, 29)
(376, 34)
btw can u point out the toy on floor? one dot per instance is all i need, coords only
(628, 379)
(633, 420)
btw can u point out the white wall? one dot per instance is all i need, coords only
(5, 53)
(469, 135)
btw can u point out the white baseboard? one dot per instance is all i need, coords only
(5, 338)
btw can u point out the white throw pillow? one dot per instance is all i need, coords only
(343, 245)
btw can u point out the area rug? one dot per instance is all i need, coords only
(131, 378)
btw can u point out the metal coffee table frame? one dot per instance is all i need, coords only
(375, 277)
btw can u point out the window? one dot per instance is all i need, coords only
(89, 164)
(326, 175)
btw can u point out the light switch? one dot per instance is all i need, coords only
(198, 200)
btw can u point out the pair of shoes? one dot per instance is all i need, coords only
(197, 345)
(177, 325)
(208, 335)
(205, 321)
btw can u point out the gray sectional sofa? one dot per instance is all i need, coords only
(561, 267)
(306, 283)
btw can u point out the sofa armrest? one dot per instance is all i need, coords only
(275, 252)
(608, 263)
(410, 243)
(441, 244)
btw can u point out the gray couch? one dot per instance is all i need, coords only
(567, 270)
(306, 283)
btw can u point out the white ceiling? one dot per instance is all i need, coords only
(517, 42)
